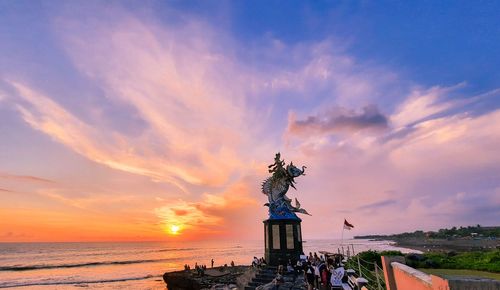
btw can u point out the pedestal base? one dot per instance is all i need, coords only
(283, 241)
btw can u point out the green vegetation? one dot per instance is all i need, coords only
(369, 258)
(460, 272)
(454, 232)
(478, 260)
(463, 232)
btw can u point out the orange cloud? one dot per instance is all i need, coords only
(180, 212)
(211, 216)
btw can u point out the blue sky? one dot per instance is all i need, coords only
(153, 114)
(429, 40)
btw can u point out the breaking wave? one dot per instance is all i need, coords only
(76, 265)
(41, 283)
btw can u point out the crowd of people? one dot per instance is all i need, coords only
(320, 272)
(200, 269)
(258, 262)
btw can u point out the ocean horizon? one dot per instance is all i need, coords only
(123, 265)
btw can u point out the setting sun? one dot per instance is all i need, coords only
(174, 229)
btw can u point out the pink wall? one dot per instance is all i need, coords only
(398, 276)
(406, 279)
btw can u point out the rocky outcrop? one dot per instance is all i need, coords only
(181, 281)
(216, 278)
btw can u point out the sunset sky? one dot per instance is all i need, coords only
(156, 120)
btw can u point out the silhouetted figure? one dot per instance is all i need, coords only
(309, 272)
(212, 263)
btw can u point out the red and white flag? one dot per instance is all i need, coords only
(347, 225)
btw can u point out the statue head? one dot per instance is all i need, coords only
(293, 171)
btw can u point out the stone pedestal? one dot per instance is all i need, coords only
(283, 240)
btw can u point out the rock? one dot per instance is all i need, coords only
(224, 287)
(272, 286)
(181, 281)
(216, 280)
(451, 253)
(415, 257)
(268, 286)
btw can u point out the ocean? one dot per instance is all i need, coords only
(131, 265)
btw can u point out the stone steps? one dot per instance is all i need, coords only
(263, 281)
(263, 276)
(254, 283)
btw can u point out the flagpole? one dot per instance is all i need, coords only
(342, 239)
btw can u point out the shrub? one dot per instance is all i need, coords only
(368, 258)
(484, 261)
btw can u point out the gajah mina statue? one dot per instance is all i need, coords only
(276, 187)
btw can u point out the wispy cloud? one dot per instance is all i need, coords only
(25, 178)
(198, 129)
(419, 173)
(377, 205)
(422, 104)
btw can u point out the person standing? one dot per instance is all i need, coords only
(310, 276)
(255, 262)
(212, 263)
(316, 275)
(324, 276)
(337, 276)
(298, 269)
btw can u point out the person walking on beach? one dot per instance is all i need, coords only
(212, 263)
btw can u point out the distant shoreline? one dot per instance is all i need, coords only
(439, 245)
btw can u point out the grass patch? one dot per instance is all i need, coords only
(481, 261)
(461, 272)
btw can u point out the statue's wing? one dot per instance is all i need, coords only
(297, 203)
(304, 211)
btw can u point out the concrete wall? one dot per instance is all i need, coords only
(399, 276)
(390, 282)
(408, 278)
